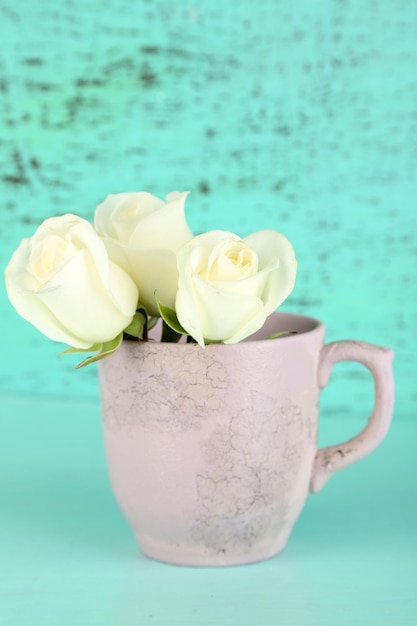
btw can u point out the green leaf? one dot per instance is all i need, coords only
(169, 335)
(169, 317)
(93, 348)
(138, 325)
(104, 350)
(282, 334)
(152, 321)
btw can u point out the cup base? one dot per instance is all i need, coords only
(201, 556)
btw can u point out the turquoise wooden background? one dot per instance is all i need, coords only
(298, 116)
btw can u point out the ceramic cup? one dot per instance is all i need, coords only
(212, 452)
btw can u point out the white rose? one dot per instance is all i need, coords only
(142, 234)
(62, 281)
(228, 286)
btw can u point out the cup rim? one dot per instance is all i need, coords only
(313, 324)
(316, 326)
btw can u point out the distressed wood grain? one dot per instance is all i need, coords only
(275, 115)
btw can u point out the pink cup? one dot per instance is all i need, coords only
(212, 452)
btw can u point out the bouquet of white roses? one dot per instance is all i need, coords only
(90, 286)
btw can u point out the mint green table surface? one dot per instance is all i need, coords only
(69, 559)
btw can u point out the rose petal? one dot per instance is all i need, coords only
(231, 260)
(222, 316)
(163, 228)
(155, 271)
(235, 305)
(118, 215)
(61, 280)
(86, 307)
(145, 243)
(271, 247)
(33, 310)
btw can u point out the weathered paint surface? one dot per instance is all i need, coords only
(276, 115)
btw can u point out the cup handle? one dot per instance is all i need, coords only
(379, 362)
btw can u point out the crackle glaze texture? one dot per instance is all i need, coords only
(211, 451)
